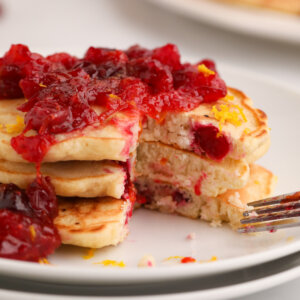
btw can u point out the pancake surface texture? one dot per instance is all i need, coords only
(93, 223)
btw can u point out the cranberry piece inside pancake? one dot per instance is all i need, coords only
(209, 141)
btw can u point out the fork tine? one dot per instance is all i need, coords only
(271, 217)
(281, 199)
(272, 213)
(273, 208)
(269, 227)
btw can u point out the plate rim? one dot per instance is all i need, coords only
(244, 288)
(183, 8)
(128, 275)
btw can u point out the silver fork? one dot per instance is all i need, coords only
(272, 213)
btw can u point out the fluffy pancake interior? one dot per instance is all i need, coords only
(164, 163)
(226, 207)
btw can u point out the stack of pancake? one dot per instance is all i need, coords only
(180, 170)
(174, 170)
(90, 169)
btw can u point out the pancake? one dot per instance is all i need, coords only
(93, 223)
(226, 207)
(250, 140)
(113, 141)
(197, 174)
(70, 179)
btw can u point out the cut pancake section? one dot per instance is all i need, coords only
(199, 175)
(72, 178)
(230, 127)
(114, 140)
(226, 207)
(93, 223)
(229, 206)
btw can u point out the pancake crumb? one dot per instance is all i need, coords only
(253, 214)
(147, 261)
(215, 223)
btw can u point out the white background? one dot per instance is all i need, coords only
(74, 25)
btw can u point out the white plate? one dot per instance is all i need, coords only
(232, 284)
(165, 235)
(257, 22)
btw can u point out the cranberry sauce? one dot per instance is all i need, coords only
(129, 189)
(207, 140)
(27, 231)
(61, 88)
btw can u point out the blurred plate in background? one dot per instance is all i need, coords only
(254, 21)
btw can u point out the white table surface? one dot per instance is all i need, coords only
(76, 24)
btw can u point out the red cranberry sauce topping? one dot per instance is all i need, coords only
(27, 231)
(61, 88)
(209, 141)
